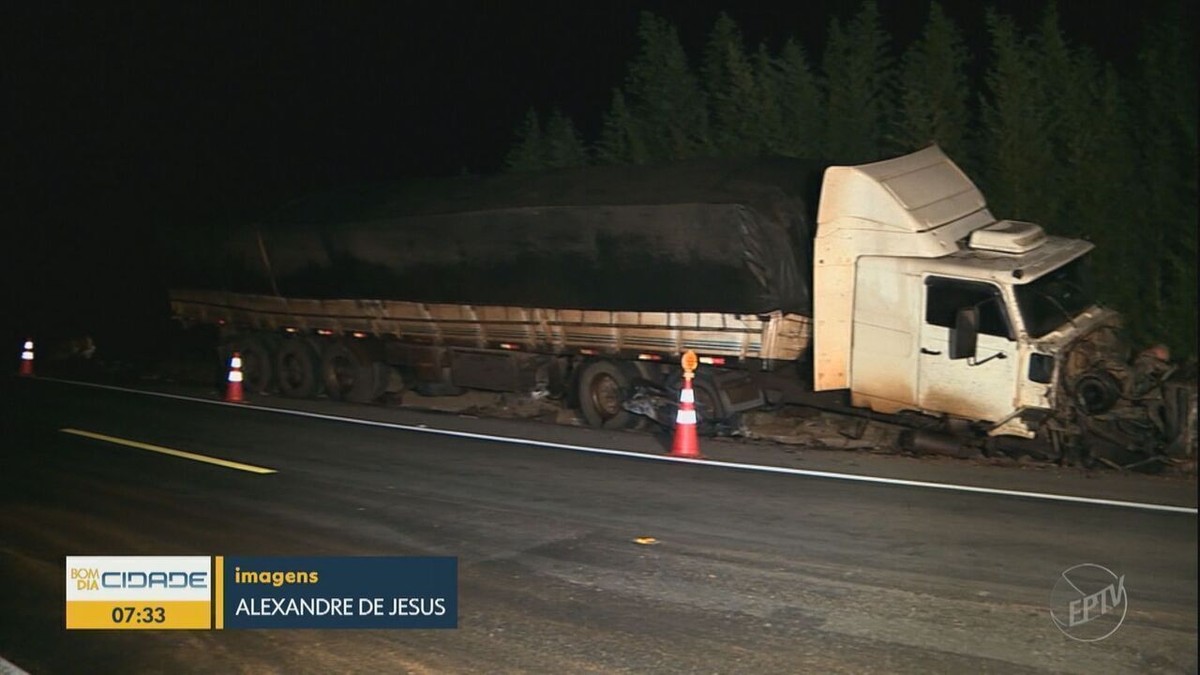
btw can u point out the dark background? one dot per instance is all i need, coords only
(123, 121)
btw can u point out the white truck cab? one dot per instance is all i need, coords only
(926, 302)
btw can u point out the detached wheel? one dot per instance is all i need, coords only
(297, 368)
(603, 388)
(257, 363)
(350, 373)
(1097, 392)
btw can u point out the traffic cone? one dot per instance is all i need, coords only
(233, 392)
(687, 442)
(27, 359)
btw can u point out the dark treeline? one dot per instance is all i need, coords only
(1051, 132)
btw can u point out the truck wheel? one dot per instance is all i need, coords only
(257, 365)
(1096, 392)
(603, 387)
(297, 369)
(709, 410)
(351, 374)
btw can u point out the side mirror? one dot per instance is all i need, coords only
(966, 333)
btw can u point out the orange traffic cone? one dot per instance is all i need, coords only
(233, 392)
(687, 442)
(27, 359)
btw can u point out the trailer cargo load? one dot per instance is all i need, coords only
(703, 236)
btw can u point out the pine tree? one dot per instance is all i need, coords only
(1017, 155)
(528, 154)
(856, 65)
(1097, 190)
(562, 145)
(933, 90)
(1166, 175)
(768, 124)
(714, 72)
(729, 82)
(620, 138)
(1064, 82)
(801, 104)
(663, 93)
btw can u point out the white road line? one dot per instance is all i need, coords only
(1045, 496)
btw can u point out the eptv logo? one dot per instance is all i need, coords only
(1089, 602)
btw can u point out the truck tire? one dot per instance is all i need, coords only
(351, 374)
(709, 409)
(603, 388)
(297, 369)
(258, 370)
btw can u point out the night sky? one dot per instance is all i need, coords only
(121, 118)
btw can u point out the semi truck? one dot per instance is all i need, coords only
(887, 288)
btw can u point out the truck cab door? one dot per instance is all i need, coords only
(978, 386)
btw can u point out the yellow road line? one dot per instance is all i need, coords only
(169, 451)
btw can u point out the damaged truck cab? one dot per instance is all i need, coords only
(925, 302)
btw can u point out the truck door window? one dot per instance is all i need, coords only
(944, 297)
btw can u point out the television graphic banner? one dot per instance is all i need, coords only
(230, 592)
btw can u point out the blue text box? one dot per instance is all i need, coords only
(340, 592)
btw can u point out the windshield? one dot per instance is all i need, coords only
(1055, 298)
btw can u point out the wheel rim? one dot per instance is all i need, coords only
(254, 372)
(293, 371)
(344, 374)
(605, 395)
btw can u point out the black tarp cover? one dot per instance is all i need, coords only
(724, 236)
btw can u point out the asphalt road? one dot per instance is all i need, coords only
(752, 572)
